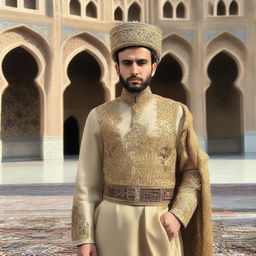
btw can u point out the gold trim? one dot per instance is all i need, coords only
(134, 195)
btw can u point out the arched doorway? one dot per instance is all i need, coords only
(71, 135)
(85, 91)
(167, 80)
(20, 120)
(223, 107)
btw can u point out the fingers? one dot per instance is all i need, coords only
(87, 250)
(94, 252)
(170, 224)
(170, 233)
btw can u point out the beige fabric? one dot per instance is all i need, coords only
(123, 230)
(110, 216)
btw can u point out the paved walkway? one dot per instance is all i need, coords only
(223, 170)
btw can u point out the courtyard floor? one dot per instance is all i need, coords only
(36, 199)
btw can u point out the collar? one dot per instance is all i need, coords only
(135, 99)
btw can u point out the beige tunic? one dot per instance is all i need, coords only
(119, 229)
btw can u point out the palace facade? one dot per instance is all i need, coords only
(56, 66)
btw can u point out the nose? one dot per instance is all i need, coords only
(134, 69)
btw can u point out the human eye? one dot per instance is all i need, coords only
(126, 62)
(141, 62)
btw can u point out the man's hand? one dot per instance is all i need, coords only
(87, 250)
(171, 224)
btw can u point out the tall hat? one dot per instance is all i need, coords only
(136, 34)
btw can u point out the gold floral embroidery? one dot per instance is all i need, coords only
(137, 159)
(186, 199)
(137, 101)
(80, 227)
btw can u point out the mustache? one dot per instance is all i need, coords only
(134, 77)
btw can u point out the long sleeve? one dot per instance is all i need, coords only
(89, 182)
(186, 198)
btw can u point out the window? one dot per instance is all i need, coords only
(11, 3)
(91, 10)
(233, 8)
(168, 10)
(74, 7)
(221, 8)
(134, 12)
(180, 11)
(210, 8)
(30, 4)
(118, 15)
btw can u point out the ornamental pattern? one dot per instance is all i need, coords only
(20, 111)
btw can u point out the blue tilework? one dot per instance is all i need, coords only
(241, 34)
(43, 30)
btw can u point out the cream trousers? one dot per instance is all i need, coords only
(124, 230)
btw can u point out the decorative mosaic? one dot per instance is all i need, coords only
(20, 111)
(43, 30)
(241, 34)
(68, 32)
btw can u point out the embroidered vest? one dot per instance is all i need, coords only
(139, 158)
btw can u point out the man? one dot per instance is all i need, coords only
(142, 185)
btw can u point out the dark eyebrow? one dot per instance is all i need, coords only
(142, 61)
(126, 61)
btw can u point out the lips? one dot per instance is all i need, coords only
(134, 79)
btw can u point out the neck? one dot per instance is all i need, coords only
(136, 97)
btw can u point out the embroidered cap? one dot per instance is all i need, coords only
(136, 34)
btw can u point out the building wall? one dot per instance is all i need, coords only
(208, 59)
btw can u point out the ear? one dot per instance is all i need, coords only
(117, 69)
(154, 66)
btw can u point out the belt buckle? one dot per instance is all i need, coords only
(133, 194)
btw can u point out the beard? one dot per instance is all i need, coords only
(135, 87)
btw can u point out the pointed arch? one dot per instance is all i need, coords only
(229, 51)
(181, 11)
(167, 79)
(167, 10)
(18, 128)
(34, 43)
(91, 10)
(75, 7)
(231, 45)
(224, 106)
(85, 90)
(28, 39)
(233, 8)
(221, 8)
(134, 12)
(118, 14)
(181, 50)
(94, 46)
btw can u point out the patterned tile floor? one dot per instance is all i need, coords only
(35, 220)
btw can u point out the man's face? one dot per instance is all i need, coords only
(135, 68)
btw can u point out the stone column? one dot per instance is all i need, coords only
(52, 140)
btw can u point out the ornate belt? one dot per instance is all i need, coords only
(137, 195)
